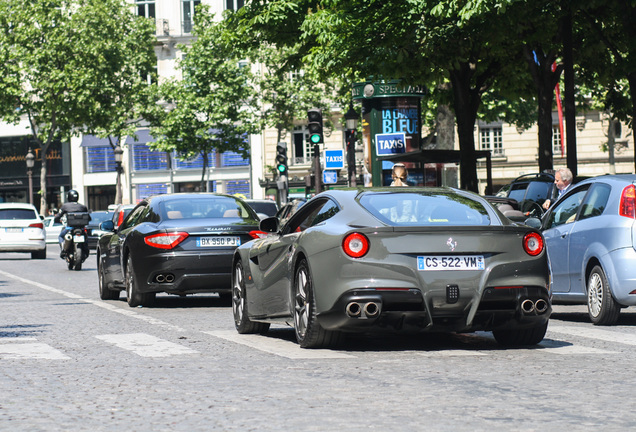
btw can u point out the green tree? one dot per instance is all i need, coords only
(63, 63)
(212, 106)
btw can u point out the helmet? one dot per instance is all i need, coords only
(72, 196)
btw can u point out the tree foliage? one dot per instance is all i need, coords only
(67, 66)
(211, 107)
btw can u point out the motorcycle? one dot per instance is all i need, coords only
(75, 245)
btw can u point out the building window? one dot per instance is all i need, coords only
(234, 4)
(242, 187)
(148, 189)
(557, 141)
(195, 162)
(491, 138)
(99, 159)
(145, 159)
(188, 8)
(146, 8)
(229, 159)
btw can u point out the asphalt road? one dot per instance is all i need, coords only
(72, 362)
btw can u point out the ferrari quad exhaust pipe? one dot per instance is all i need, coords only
(363, 310)
(541, 306)
(527, 306)
(353, 309)
(371, 309)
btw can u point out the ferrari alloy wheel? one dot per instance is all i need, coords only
(601, 306)
(104, 292)
(521, 337)
(239, 305)
(133, 296)
(309, 333)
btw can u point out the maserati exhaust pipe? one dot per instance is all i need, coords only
(541, 306)
(527, 306)
(160, 278)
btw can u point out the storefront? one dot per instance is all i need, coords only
(14, 179)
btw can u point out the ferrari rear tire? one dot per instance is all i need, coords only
(521, 337)
(133, 296)
(309, 333)
(601, 306)
(239, 305)
(104, 292)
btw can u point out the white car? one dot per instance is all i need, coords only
(52, 229)
(22, 230)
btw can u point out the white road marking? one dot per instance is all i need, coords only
(31, 350)
(277, 347)
(146, 345)
(595, 333)
(451, 353)
(128, 312)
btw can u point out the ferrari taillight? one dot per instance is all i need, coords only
(355, 245)
(165, 240)
(533, 243)
(627, 206)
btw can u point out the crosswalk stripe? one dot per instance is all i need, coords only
(30, 350)
(595, 333)
(277, 347)
(146, 345)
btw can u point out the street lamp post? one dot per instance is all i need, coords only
(351, 119)
(119, 157)
(30, 161)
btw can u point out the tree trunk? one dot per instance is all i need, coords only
(445, 128)
(204, 186)
(569, 93)
(466, 102)
(632, 93)
(544, 124)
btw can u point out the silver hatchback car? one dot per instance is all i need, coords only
(22, 230)
(590, 234)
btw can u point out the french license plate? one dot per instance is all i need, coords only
(78, 239)
(454, 262)
(13, 230)
(218, 241)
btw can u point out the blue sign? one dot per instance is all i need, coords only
(334, 159)
(389, 144)
(329, 177)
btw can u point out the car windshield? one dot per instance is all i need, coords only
(99, 217)
(17, 214)
(206, 207)
(425, 209)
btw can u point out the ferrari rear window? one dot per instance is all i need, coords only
(425, 209)
(17, 214)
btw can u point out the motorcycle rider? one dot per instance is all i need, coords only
(71, 206)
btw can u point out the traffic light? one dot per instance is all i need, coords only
(315, 126)
(281, 159)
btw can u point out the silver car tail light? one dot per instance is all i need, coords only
(627, 206)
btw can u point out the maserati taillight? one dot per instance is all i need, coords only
(165, 240)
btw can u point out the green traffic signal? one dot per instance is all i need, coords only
(315, 138)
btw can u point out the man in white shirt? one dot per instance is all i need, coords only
(563, 181)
